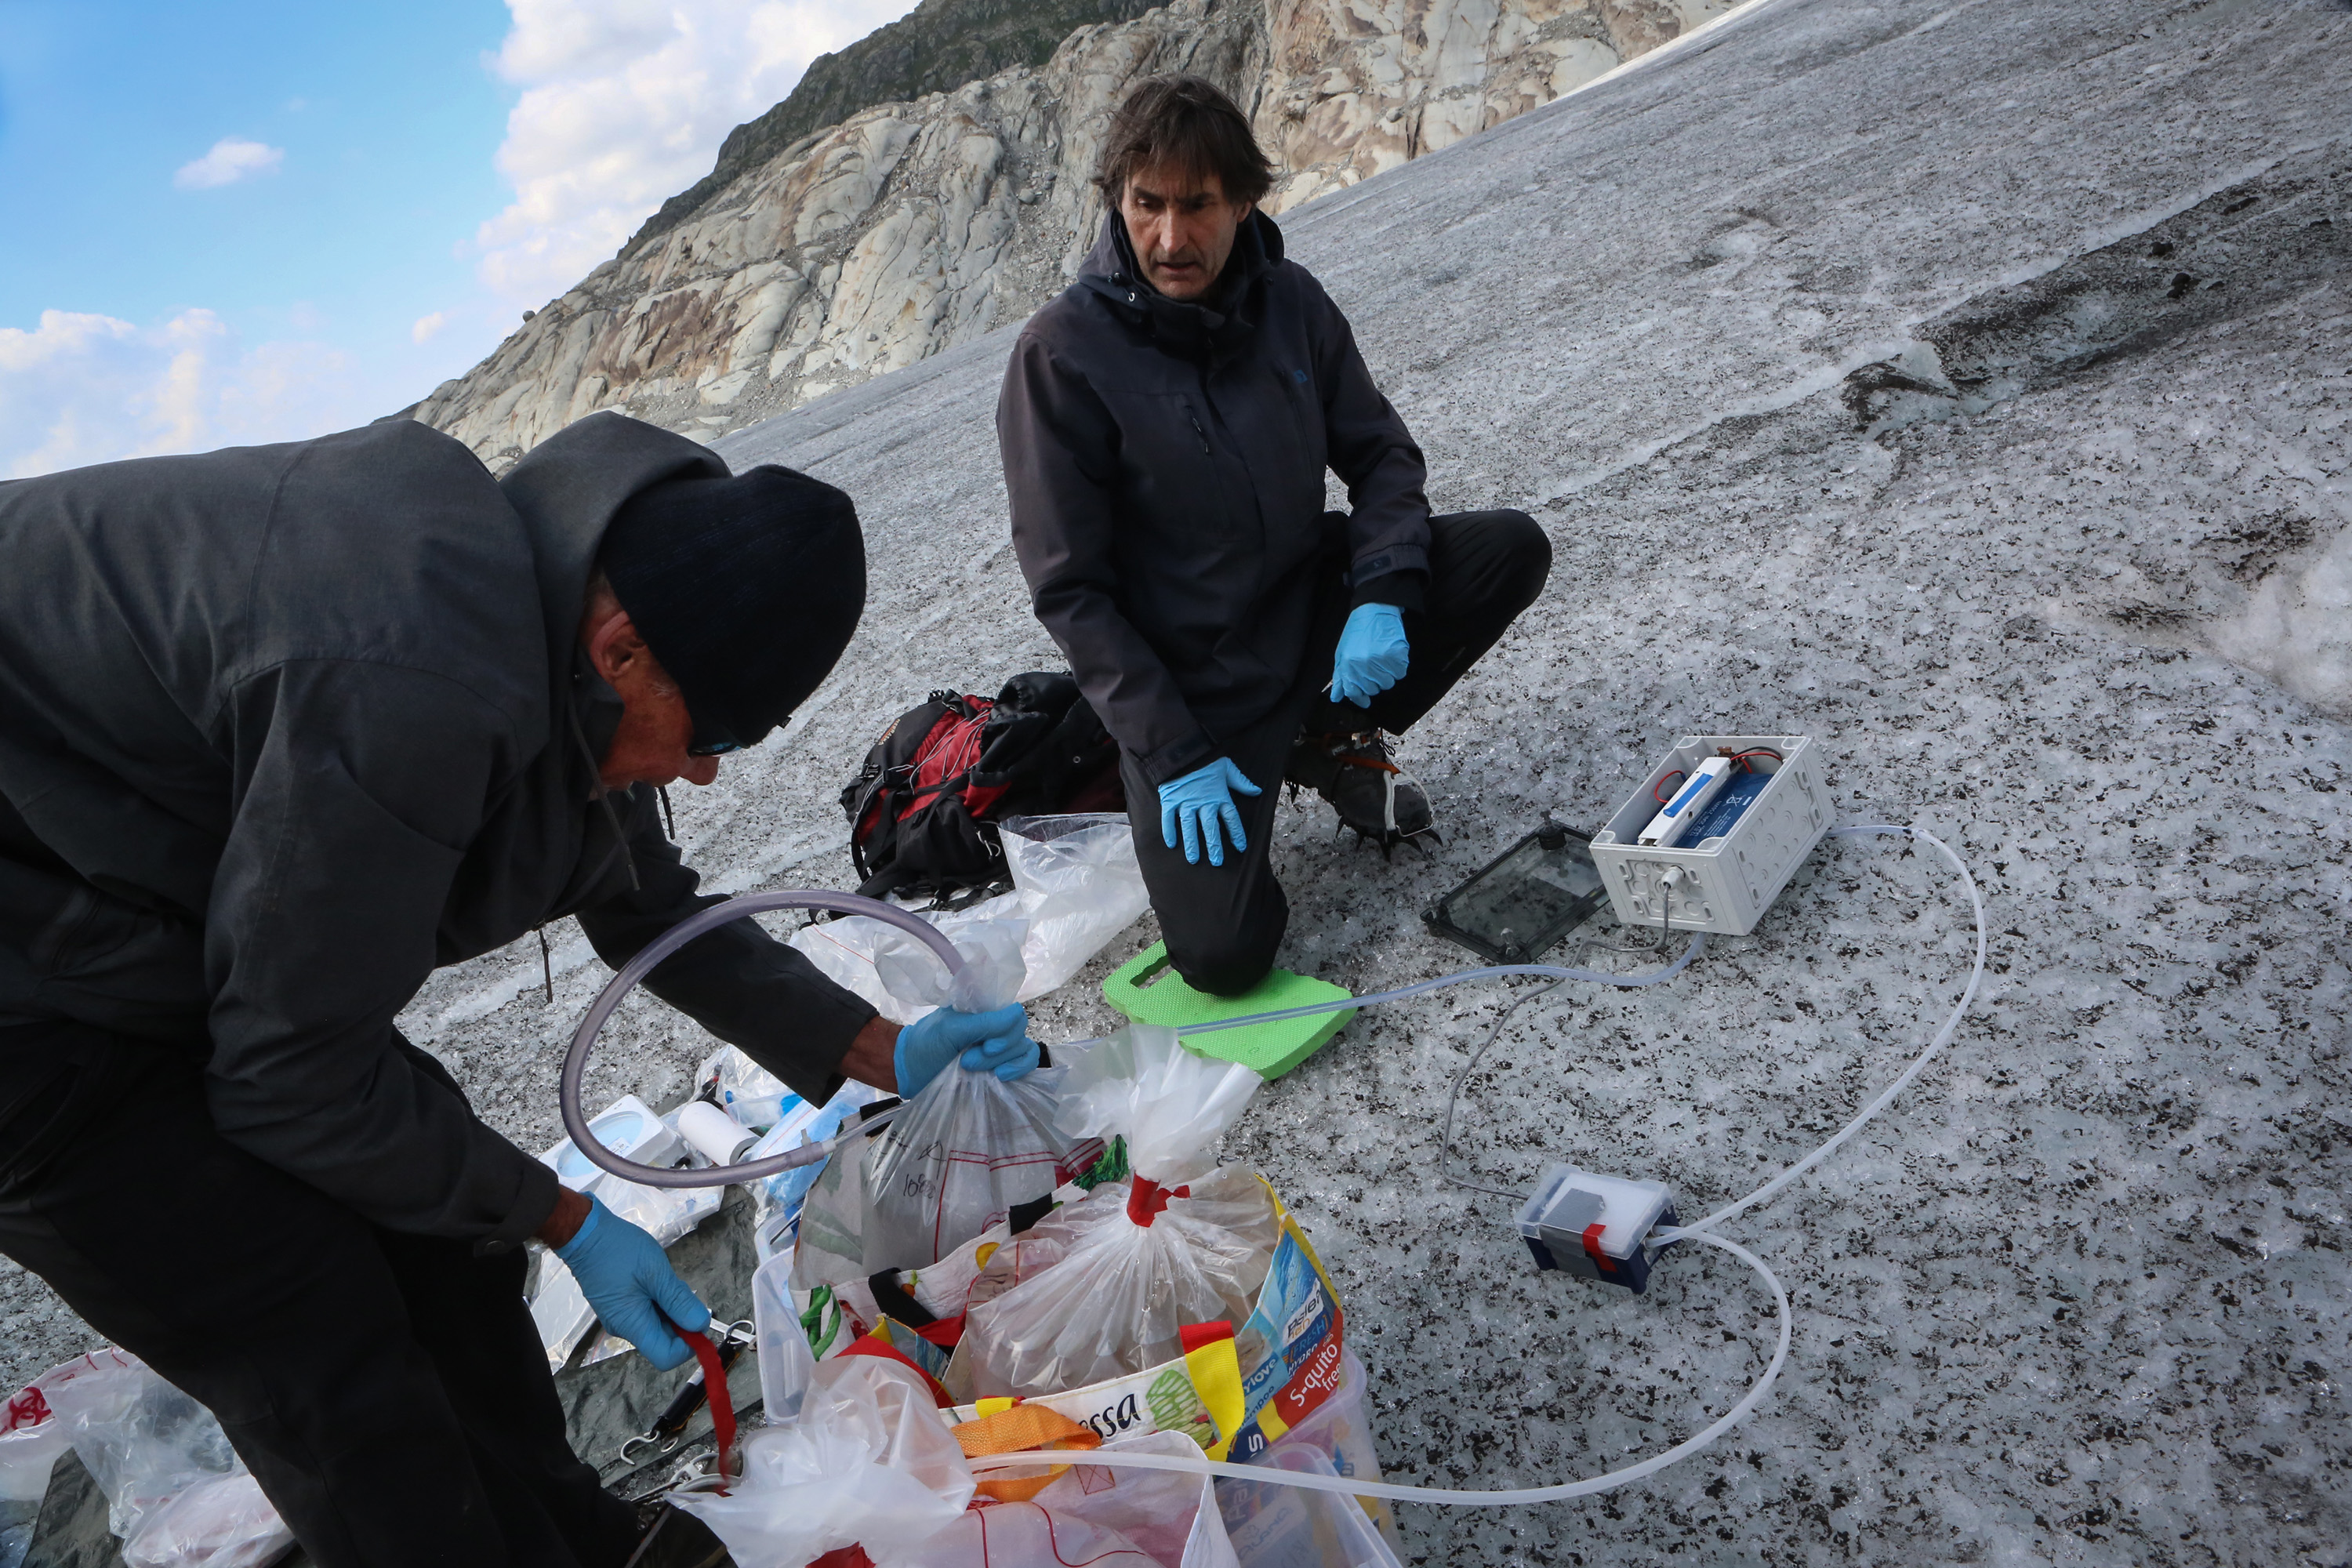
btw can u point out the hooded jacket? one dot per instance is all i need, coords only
(282, 730)
(1165, 465)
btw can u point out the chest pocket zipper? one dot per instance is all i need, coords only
(1194, 420)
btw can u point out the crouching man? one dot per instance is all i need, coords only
(1165, 426)
(282, 730)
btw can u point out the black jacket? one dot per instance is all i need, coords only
(1165, 464)
(283, 729)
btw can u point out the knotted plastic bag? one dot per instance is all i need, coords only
(1179, 1242)
(867, 1462)
(176, 1492)
(966, 1151)
(1076, 887)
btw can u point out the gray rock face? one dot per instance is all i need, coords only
(936, 48)
(1836, 352)
(807, 263)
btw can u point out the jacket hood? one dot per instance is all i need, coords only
(1110, 271)
(566, 490)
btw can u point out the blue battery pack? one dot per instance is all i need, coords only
(1739, 792)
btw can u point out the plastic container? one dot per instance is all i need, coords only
(1288, 1527)
(1729, 880)
(1591, 1225)
(786, 1364)
(1339, 1430)
(629, 1127)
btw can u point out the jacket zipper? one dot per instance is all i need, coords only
(1204, 435)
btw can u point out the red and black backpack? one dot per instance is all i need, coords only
(923, 809)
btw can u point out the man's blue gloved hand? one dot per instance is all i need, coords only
(1202, 803)
(1373, 654)
(995, 1042)
(627, 1279)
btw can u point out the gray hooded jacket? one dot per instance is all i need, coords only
(1165, 466)
(283, 728)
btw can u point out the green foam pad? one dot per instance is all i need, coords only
(1145, 990)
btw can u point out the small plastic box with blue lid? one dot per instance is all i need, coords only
(1591, 1225)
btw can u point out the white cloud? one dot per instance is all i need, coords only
(625, 103)
(426, 326)
(231, 160)
(82, 388)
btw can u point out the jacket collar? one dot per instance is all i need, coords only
(1217, 325)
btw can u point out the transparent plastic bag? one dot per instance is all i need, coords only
(1128, 1283)
(867, 1462)
(1337, 1433)
(1171, 1105)
(786, 1363)
(904, 979)
(1026, 1533)
(966, 1151)
(176, 1493)
(1179, 1242)
(776, 1200)
(1076, 886)
(1274, 1526)
(1171, 1515)
(223, 1521)
(31, 1438)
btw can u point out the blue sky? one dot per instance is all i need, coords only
(257, 221)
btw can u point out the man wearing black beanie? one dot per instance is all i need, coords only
(283, 728)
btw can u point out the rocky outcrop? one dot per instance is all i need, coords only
(936, 48)
(911, 227)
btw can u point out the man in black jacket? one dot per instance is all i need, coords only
(1165, 426)
(283, 728)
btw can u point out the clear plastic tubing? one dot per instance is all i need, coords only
(575, 1123)
(575, 1061)
(1507, 1497)
(1701, 1232)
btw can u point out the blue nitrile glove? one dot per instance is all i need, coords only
(995, 1042)
(1202, 800)
(1373, 654)
(627, 1279)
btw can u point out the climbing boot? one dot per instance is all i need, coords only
(1385, 804)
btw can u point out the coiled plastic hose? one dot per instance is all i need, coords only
(575, 1061)
(576, 1122)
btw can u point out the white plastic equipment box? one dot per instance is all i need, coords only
(1729, 882)
(1591, 1225)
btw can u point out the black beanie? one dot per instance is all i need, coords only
(745, 588)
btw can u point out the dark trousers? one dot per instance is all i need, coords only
(388, 1391)
(1224, 923)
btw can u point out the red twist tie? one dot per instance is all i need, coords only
(1146, 1198)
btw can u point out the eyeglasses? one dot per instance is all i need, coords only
(710, 741)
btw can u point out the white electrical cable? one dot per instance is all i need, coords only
(1887, 1097)
(1345, 1486)
(1700, 1232)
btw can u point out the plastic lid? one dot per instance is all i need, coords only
(621, 1130)
(1573, 1201)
